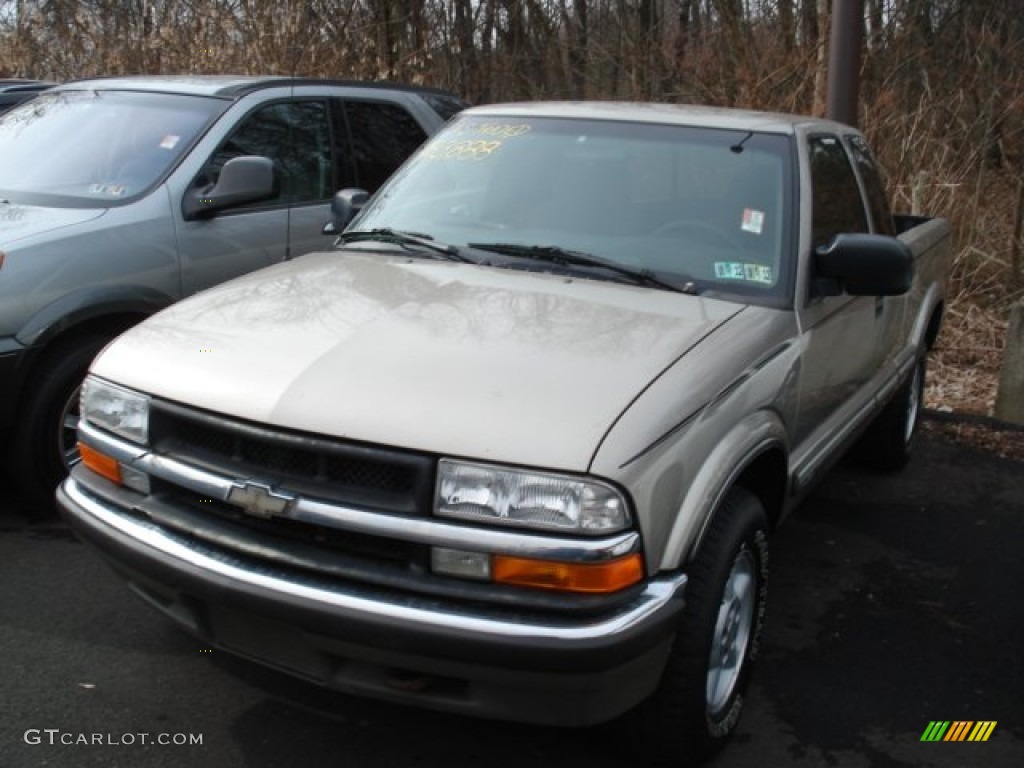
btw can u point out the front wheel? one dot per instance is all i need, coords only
(45, 446)
(698, 702)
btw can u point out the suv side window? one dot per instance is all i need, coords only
(836, 202)
(383, 136)
(878, 201)
(296, 136)
(445, 105)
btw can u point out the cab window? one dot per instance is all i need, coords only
(878, 201)
(836, 201)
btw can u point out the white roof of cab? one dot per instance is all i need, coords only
(670, 114)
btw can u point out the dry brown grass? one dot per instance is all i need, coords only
(964, 366)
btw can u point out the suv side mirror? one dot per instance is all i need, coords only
(246, 179)
(344, 207)
(863, 265)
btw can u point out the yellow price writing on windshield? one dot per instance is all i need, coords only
(461, 150)
(502, 130)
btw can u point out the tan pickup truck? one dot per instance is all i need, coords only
(516, 446)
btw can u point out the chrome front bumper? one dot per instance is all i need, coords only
(493, 660)
(655, 597)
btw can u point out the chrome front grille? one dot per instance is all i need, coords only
(375, 479)
(283, 531)
(381, 479)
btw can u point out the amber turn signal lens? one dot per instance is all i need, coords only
(569, 577)
(100, 464)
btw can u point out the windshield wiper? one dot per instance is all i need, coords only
(565, 257)
(406, 240)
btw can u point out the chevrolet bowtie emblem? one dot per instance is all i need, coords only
(260, 500)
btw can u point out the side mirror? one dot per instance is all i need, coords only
(344, 207)
(863, 265)
(246, 179)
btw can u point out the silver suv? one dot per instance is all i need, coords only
(120, 196)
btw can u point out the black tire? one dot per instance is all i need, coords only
(688, 719)
(43, 447)
(889, 441)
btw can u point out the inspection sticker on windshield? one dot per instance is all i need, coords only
(751, 273)
(753, 221)
(170, 141)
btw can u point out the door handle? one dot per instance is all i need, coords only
(879, 305)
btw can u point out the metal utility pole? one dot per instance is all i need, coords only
(844, 60)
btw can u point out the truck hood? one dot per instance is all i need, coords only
(18, 222)
(443, 357)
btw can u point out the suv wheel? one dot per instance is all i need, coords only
(45, 443)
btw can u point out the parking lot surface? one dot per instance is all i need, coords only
(894, 601)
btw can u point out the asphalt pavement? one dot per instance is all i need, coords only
(894, 601)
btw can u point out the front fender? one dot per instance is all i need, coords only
(88, 303)
(679, 445)
(735, 451)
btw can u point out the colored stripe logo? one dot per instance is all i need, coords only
(958, 730)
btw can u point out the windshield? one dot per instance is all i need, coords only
(692, 203)
(95, 148)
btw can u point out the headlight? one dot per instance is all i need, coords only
(492, 494)
(115, 409)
